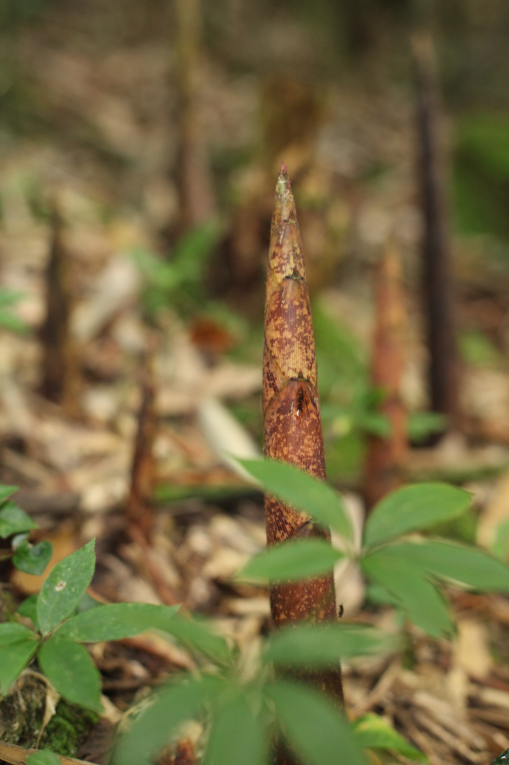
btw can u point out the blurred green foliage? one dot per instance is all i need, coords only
(350, 404)
(8, 320)
(20, 11)
(481, 174)
(478, 350)
(179, 280)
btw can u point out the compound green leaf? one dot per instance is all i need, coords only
(62, 590)
(372, 732)
(292, 561)
(115, 622)
(302, 491)
(312, 725)
(423, 603)
(308, 645)
(412, 508)
(70, 669)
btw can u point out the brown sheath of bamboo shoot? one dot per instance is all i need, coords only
(291, 415)
(386, 457)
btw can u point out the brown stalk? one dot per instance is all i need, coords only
(386, 457)
(438, 292)
(291, 413)
(140, 504)
(197, 202)
(60, 375)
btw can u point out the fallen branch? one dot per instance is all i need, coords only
(16, 755)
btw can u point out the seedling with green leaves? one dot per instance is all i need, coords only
(244, 707)
(15, 523)
(404, 568)
(235, 691)
(247, 698)
(60, 626)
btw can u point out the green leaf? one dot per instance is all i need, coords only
(62, 590)
(7, 319)
(9, 297)
(313, 726)
(13, 659)
(381, 596)
(422, 601)
(412, 508)
(6, 492)
(161, 717)
(44, 757)
(321, 646)
(13, 519)
(70, 669)
(500, 544)
(375, 423)
(32, 559)
(10, 632)
(423, 424)
(116, 621)
(87, 602)
(237, 735)
(292, 561)
(452, 561)
(372, 732)
(301, 490)
(11, 322)
(199, 635)
(29, 608)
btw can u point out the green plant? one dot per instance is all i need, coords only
(58, 630)
(178, 281)
(44, 757)
(8, 320)
(15, 523)
(241, 703)
(403, 567)
(243, 707)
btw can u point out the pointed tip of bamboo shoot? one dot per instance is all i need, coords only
(285, 253)
(283, 182)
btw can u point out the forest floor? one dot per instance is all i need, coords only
(95, 127)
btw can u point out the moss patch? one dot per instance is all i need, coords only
(68, 729)
(22, 712)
